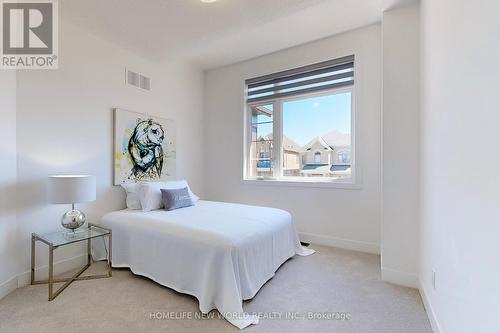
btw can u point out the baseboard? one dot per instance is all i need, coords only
(42, 272)
(8, 286)
(341, 243)
(400, 278)
(436, 328)
(60, 266)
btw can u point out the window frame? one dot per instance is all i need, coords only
(277, 178)
(317, 153)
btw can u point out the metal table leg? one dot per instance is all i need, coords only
(51, 272)
(110, 267)
(33, 244)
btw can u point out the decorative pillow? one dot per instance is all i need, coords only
(132, 190)
(150, 193)
(175, 199)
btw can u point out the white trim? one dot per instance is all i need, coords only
(400, 278)
(348, 244)
(8, 286)
(24, 279)
(303, 183)
(436, 328)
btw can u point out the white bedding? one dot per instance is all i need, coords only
(221, 253)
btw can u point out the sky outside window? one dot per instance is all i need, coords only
(305, 119)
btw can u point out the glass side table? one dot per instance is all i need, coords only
(55, 240)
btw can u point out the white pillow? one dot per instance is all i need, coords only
(150, 193)
(132, 190)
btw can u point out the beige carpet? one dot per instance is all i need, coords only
(330, 281)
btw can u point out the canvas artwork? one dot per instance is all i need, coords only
(144, 147)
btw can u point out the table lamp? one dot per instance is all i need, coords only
(71, 189)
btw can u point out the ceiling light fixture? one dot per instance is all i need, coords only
(208, 1)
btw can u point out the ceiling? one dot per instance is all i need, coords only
(216, 34)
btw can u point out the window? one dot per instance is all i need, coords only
(261, 144)
(300, 124)
(344, 156)
(317, 157)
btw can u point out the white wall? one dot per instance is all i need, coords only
(400, 147)
(460, 164)
(8, 244)
(64, 125)
(340, 217)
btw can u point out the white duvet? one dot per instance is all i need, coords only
(221, 253)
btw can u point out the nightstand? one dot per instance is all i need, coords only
(62, 238)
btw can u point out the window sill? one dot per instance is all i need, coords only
(304, 183)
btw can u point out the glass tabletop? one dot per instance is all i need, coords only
(65, 237)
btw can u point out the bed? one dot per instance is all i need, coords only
(221, 253)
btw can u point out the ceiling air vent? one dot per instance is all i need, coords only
(137, 80)
(145, 82)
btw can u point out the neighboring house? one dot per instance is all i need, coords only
(264, 148)
(291, 156)
(327, 155)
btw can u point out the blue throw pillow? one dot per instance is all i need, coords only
(175, 199)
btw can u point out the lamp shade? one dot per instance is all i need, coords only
(69, 189)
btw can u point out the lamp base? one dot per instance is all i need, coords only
(73, 219)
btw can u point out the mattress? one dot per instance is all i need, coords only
(221, 253)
